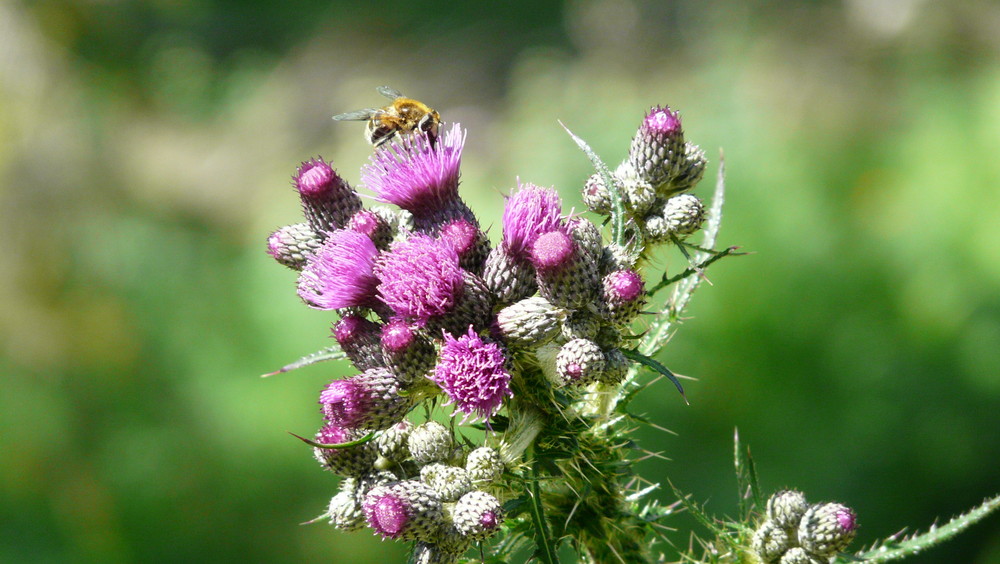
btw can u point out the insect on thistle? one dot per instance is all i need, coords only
(404, 115)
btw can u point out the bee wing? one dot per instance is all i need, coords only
(357, 115)
(390, 92)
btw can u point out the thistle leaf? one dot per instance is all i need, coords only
(329, 353)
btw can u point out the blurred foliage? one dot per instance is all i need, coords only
(145, 151)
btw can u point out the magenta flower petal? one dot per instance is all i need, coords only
(340, 274)
(528, 213)
(474, 375)
(420, 277)
(416, 175)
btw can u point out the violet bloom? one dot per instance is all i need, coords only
(414, 174)
(340, 274)
(528, 213)
(420, 277)
(474, 375)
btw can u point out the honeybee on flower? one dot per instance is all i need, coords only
(403, 115)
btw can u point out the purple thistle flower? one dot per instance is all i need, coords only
(420, 277)
(528, 213)
(407, 510)
(368, 400)
(661, 122)
(623, 286)
(359, 339)
(414, 174)
(340, 274)
(474, 375)
(461, 234)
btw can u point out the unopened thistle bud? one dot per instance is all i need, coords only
(624, 295)
(327, 201)
(799, 555)
(638, 194)
(597, 196)
(581, 324)
(684, 214)
(484, 465)
(786, 508)
(566, 276)
(360, 341)
(530, 322)
(615, 367)
(430, 442)
(478, 515)
(347, 461)
(433, 553)
(473, 306)
(690, 173)
(407, 510)
(579, 362)
(292, 245)
(508, 278)
(345, 512)
(450, 482)
(374, 226)
(658, 147)
(391, 444)
(827, 528)
(370, 400)
(587, 236)
(770, 541)
(407, 352)
(469, 242)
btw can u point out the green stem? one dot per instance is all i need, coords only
(544, 550)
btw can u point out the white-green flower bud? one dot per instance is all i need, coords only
(477, 515)
(615, 367)
(426, 553)
(345, 512)
(579, 362)
(770, 541)
(391, 444)
(827, 528)
(683, 214)
(508, 278)
(530, 322)
(786, 508)
(798, 555)
(484, 465)
(638, 195)
(581, 324)
(450, 482)
(430, 442)
(689, 173)
(596, 195)
(292, 245)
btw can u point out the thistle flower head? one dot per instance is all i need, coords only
(660, 121)
(348, 461)
(327, 200)
(416, 175)
(528, 213)
(292, 245)
(623, 286)
(341, 272)
(420, 277)
(478, 515)
(316, 178)
(827, 528)
(474, 375)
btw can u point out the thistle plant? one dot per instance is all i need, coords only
(488, 412)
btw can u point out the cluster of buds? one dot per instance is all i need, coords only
(653, 180)
(796, 532)
(428, 307)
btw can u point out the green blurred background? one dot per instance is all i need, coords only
(145, 154)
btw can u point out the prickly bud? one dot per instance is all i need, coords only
(327, 200)
(360, 341)
(530, 322)
(484, 465)
(478, 515)
(407, 510)
(348, 461)
(798, 555)
(827, 528)
(508, 278)
(430, 442)
(770, 541)
(345, 512)
(658, 147)
(370, 400)
(391, 444)
(786, 508)
(292, 245)
(450, 482)
(579, 362)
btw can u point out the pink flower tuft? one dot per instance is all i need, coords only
(420, 277)
(528, 213)
(416, 175)
(474, 375)
(552, 250)
(340, 274)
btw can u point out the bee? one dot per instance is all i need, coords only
(404, 115)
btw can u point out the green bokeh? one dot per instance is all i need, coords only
(145, 151)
